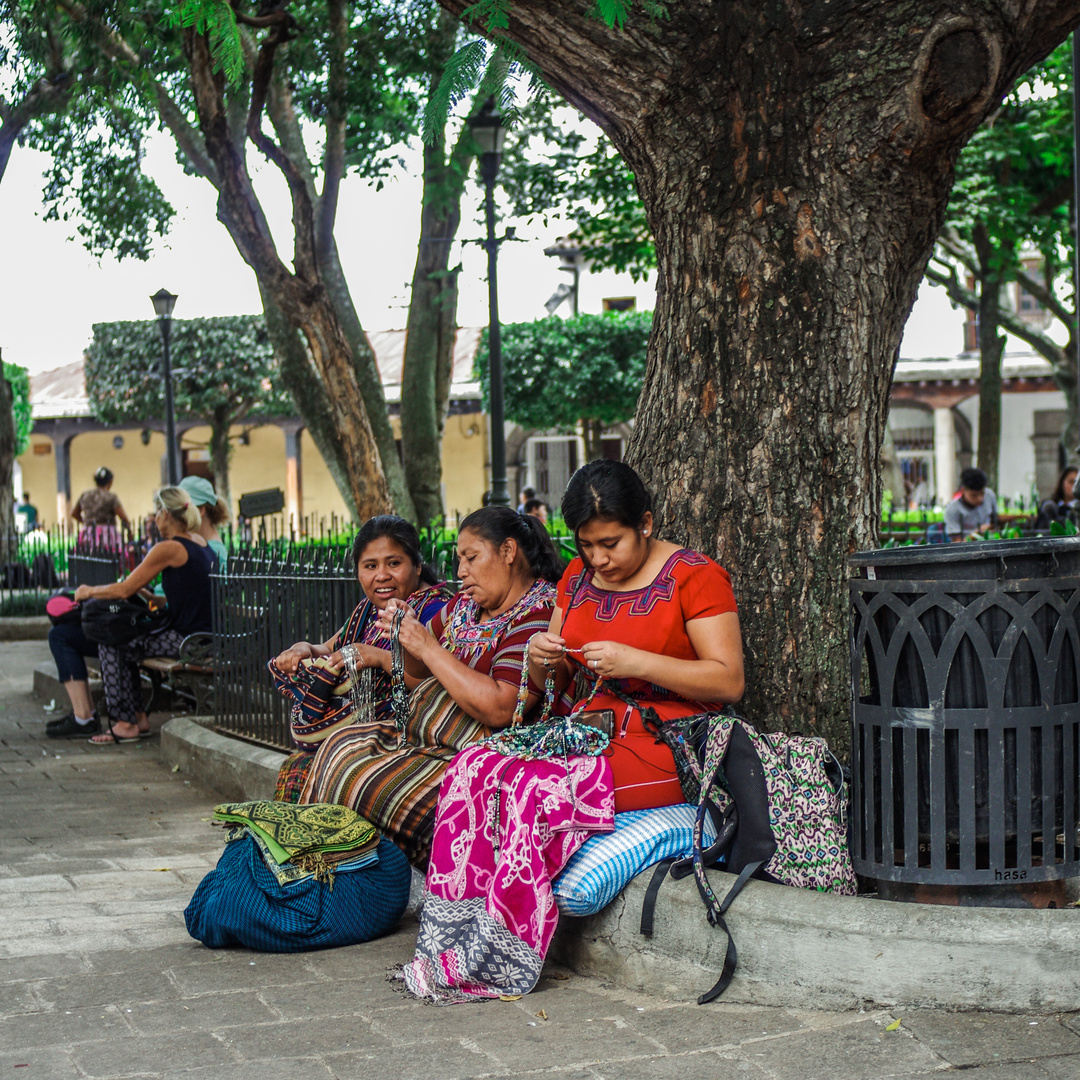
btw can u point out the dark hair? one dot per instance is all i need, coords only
(973, 479)
(533, 504)
(529, 492)
(1058, 495)
(608, 490)
(103, 476)
(497, 524)
(402, 533)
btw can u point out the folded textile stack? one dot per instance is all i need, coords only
(316, 840)
(295, 877)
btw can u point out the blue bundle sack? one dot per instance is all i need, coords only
(240, 902)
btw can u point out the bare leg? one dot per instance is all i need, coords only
(78, 692)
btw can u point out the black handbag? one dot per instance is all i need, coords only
(118, 622)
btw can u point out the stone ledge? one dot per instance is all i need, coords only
(24, 627)
(239, 771)
(796, 948)
(803, 949)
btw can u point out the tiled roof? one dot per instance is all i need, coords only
(62, 391)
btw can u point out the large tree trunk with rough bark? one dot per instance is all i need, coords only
(794, 160)
(300, 294)
(221, 452)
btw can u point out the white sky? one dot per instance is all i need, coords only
(52, 291)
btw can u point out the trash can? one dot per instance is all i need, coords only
(966, 717)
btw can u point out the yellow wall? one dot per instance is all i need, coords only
(260, 464)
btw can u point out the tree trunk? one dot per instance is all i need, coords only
(8, 539)
(794, 161)
(592, 431)
(892, 476)
(991, 348)
(1067, 376)
(301, 295)
(432, 324)
(220, 452)
(429, 340)
(309, 397)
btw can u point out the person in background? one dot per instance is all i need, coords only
(184, 561)
(537, 508)
(28, 511)
(1056, 507)
(96, 511)
(524, 496)
(213, 511)
(974, 510)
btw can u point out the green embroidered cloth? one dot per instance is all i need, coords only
(293, 832)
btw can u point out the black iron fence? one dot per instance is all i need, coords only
(266, 600)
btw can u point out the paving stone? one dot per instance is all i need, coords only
(41, 883)
(991, 1038)
(61, 1027)
(700, 1066)
(443, 1059)
(299, 1038)
(47, 966)
(346, 997)
(1016, 1070)
(38, 1064)
(290, 1069)
(244, 970)
(209, 1012)
(84, 991)
(858, 1050)
(127, 1057)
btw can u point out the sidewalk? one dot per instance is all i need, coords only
(101, 848)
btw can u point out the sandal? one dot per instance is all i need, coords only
(110, 738)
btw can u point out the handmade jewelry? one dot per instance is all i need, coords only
(361, 680)
(399, 695)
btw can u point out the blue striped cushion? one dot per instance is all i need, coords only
(604, 865)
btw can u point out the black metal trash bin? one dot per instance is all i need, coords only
(965, 669)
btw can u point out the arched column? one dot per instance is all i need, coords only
(945, 473)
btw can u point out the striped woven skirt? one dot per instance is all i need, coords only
(395, 786)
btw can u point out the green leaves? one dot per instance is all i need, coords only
(464, 71)
(20, 404)
(559, 371)
(224, 371)
(216, 18)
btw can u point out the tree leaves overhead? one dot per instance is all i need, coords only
(217, 19)
(221, 366)
(559, 371)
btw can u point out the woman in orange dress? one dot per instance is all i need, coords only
(657, 620)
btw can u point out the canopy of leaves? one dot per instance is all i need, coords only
(1015, 175)
(20, 404)
(554, 167)
(559, 371)
(222, 369)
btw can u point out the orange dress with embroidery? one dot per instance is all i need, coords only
(689, 586)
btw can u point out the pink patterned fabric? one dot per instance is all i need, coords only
(489, 912)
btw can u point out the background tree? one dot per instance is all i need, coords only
(1012, 201)
(19, 378)
(794, 161)
(559, 372)
(225, 373)
(7, 462)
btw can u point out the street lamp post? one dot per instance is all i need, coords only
(489, 134)
(164, 301)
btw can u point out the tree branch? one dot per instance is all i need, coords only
(47, 96)
(1045, 297)
(336, 116)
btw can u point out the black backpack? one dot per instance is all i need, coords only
(118, 622)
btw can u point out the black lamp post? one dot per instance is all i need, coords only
(164, 302)
(489, 134)
(1076, 197)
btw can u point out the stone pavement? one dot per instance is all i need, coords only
(101, 848)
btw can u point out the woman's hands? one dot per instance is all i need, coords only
(84, 592)
(613, 660)
(289, 661)
(546, 649)
(414, 636)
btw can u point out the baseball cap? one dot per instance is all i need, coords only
(200, 489)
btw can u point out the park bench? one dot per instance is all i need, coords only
(188, 675)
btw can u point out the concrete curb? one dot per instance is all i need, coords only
(24, 627)
(239, 771)
(796, 948)
(802, 949)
